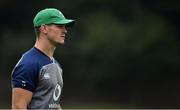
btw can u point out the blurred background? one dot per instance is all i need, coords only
(120, 54)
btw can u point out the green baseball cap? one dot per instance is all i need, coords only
(51, 16)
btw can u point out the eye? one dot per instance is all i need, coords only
(60, 26)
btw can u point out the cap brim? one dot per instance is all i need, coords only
(67, 22)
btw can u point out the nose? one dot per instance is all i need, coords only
(64, 28)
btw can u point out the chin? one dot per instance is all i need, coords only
(58, 43)
(61, 43)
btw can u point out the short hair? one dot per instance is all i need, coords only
(37, 31)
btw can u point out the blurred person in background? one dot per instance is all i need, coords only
(37, 77)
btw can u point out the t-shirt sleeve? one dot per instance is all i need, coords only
(25, 76)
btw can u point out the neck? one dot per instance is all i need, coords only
(45, 47)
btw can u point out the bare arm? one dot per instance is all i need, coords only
(21, 98)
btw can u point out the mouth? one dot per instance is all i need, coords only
(63, 37)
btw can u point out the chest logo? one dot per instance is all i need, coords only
(46, 76)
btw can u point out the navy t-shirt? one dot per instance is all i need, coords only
(41, 75)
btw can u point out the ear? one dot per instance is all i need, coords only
(43, 29)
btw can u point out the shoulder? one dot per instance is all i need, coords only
(28, 61)
(30, 56)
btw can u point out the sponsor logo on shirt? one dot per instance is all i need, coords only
(54, 105)
(57, 92)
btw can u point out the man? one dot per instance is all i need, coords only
(37, 77)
